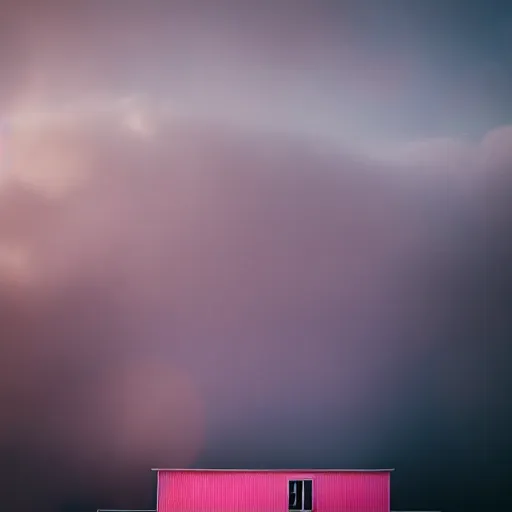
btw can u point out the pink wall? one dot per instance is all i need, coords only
(267, 491)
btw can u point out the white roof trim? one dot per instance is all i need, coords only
(237, 470)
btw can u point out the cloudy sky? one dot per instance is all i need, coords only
(254, 234)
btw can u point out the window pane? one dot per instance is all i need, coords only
(295, 495)
(308, 495)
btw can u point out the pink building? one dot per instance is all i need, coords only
(272, 490)
(311, 490)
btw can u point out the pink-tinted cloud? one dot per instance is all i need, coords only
(186, 281)
(167, 286)
(496, 148)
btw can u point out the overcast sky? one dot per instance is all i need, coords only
(254, 234)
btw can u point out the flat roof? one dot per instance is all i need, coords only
(238, 470)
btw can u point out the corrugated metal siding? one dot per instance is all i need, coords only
(182, 491)
(353, 492)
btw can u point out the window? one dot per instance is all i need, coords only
(300, 495)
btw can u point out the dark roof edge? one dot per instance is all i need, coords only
(228, 470)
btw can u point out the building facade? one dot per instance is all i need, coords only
(272, 491)
(216, 490)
